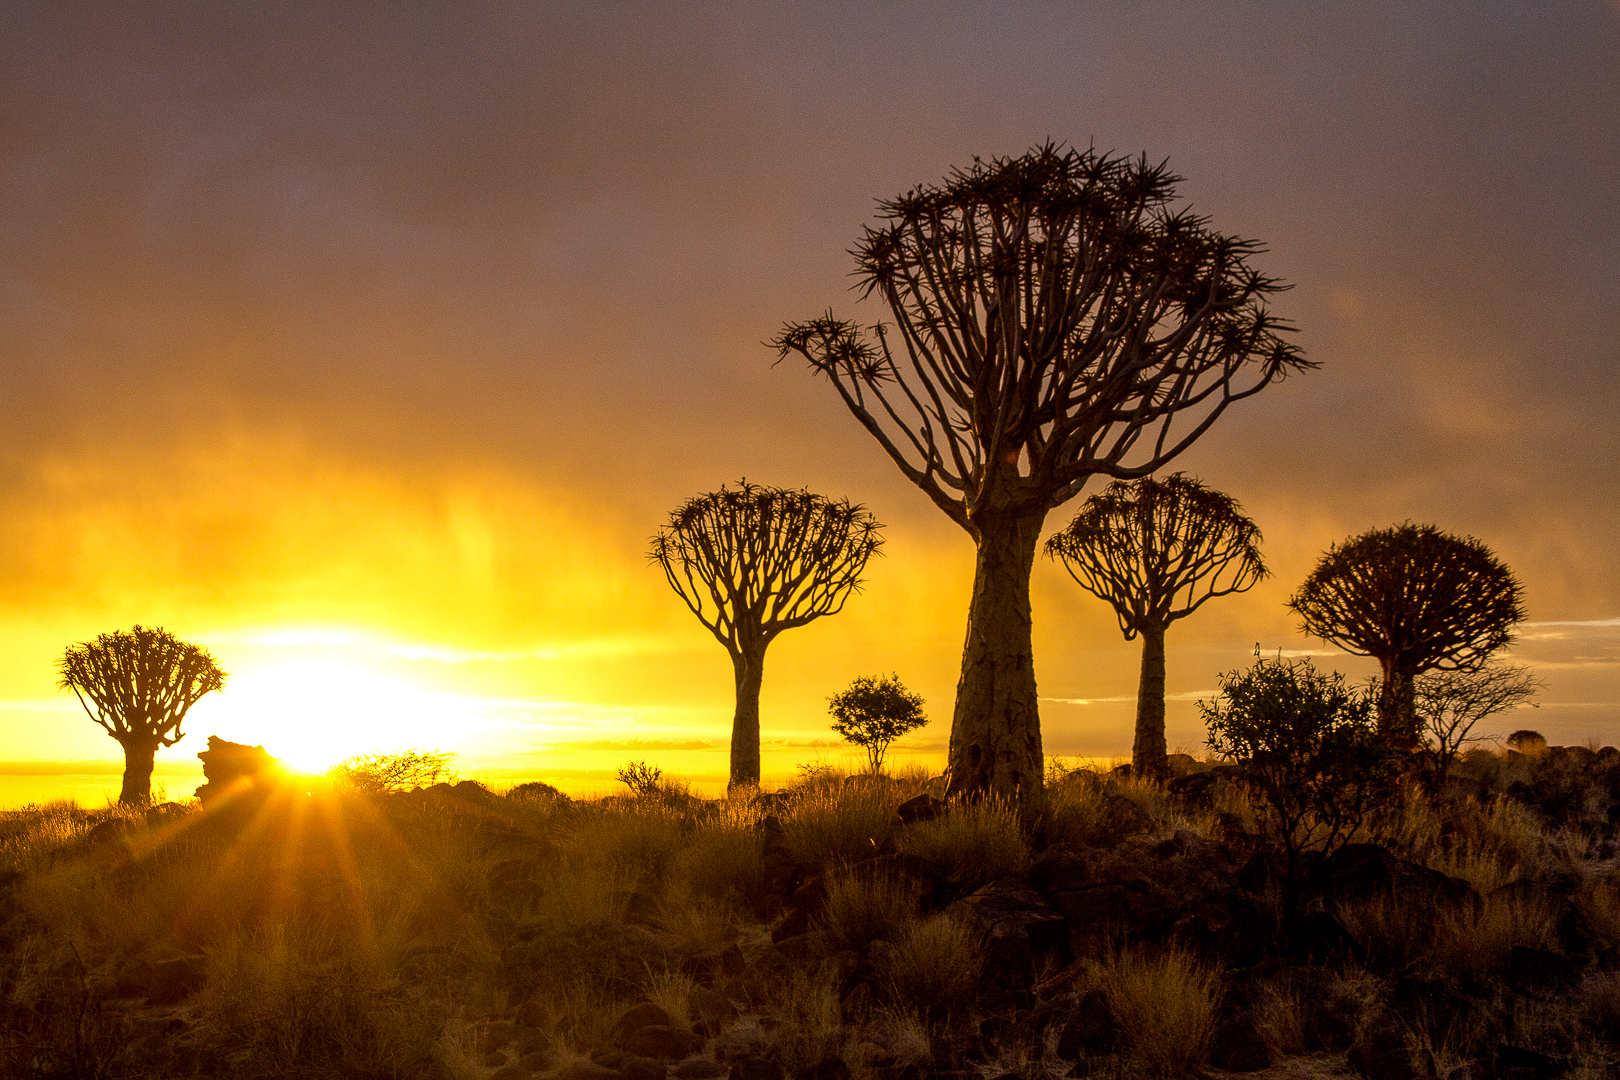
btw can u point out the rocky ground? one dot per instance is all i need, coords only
(862, 929)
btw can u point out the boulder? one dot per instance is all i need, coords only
(641, 1015)
(1537, 973)
(1013, 921)
(229, 766)
(922, 808)
(1236, 1045)
(661, 1042)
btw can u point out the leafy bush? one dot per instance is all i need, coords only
(377, 774)
(873, 713)
(1309, 747)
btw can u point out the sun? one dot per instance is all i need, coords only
(312, 713)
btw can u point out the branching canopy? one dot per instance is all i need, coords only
(1414, 597)
(1156, 550)
(1056, 313)
(140, 684)
(874, 712)
(753, 561)
(1450, 703)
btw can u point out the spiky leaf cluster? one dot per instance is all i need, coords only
(752, 561)
(140, 684)
(1055, 309)
(1156, 550)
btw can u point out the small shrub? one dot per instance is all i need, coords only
(1164, 1004)
(376, 774)
(1527, 742)
(934, 967)
(644, 781)
(1310, 750)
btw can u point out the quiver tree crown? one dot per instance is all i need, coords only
(1158, 550)
(1416, 599)
(753, 561)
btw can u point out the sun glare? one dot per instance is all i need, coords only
(312, 713)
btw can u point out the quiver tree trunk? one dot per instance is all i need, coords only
(749, 665)
(139, 752)
(1397, 709)
(996, 729)
(1148, 753)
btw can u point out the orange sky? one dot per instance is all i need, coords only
(368, 346)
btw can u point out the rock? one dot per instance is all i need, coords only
(590, 1070)
(1013, 922)
(1192, 786)
(1236, 1045)
(1319, 936)
(163, 813)
(1370, 871)
(716, 965)
(1122, 817)
(922, 808)
(641, 1015)
(515, 1071)
(230, 767)
(829, 1068)
(1517, 1063)
(1537, 973)
(711, 1011)
(756, 1068)
(1379, 1052)
(699, 1068)
(111, 831)
(797, 922)
(1059, 869)
(513, 879)
(1089, 1028)
(632, 1067)
(660, 1042)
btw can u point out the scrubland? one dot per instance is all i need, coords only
(843, 927)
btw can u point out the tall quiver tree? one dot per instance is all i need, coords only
(1058, 318)
(754, 561)
(139, 686)
(1156, 551)
(1416, 600)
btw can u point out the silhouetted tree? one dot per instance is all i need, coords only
(1056, 316)
(873, 713)
(1415, 599)
(1156, 550)
(139, 685)
(1450, 703)
(755, 561)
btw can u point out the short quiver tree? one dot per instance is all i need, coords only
(1058, 316)
(753, 561)
(139, 686)
(1415, 599)
(873, 713)
(1157, 550)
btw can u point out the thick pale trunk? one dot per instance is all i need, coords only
(1397, 709)
(138, 757)
(749, 666)
(996, 730)
(1148, 753)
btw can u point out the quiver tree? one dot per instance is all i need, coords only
(139, 686)
(1415, 599)
(1057, 318)
(753, 561)
(1157, 550)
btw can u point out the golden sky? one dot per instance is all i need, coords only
(368, 344)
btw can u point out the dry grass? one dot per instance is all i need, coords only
(831, 824)
(1457, 945)
(975, 842)
(1164, 1003)
(863, 907)
(934, 968)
